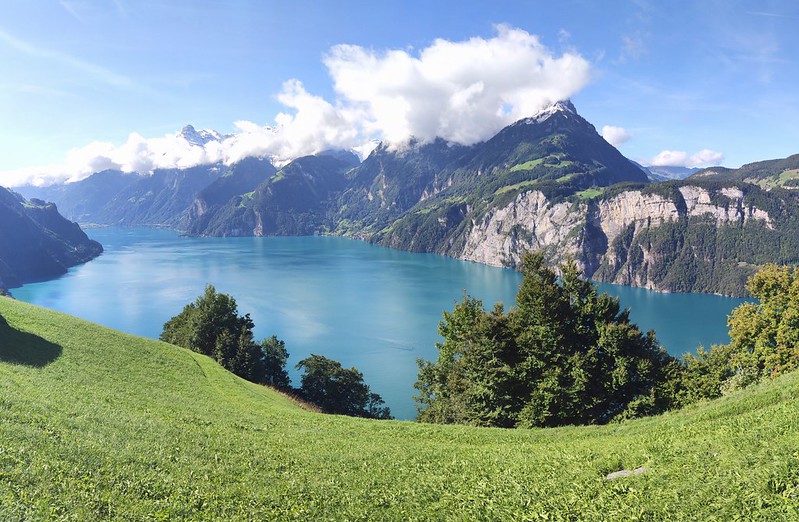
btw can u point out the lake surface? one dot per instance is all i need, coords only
(367, 306)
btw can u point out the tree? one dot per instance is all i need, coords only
(212, 326)
(565, 355)
(274, 357)
(764, 338)
(335, 389)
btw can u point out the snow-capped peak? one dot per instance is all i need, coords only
(199, 137)
(564, 106)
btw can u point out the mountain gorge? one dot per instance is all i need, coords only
(549, 182)
(36, 242)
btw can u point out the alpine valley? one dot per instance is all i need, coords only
(549, 183)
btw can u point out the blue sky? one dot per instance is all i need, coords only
(94, 83)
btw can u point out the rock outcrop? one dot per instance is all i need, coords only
(604, 235)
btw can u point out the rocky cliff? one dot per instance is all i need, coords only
(654, 238)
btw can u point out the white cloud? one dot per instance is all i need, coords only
(616, 136)
(678, 158)
(463, 92)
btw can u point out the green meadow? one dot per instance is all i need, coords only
(99, 425)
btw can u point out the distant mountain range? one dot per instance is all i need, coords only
(36, 242)
(548, 182)
(655, 173)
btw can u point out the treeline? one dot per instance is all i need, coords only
(569, 355)
(212, 326)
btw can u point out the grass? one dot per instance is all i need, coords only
(788, 175)
(98, 425)
(590, 193)
(780, 180)
(528, 165)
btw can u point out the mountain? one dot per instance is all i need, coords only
(686, 236)
(36, 242)
(83, 200)
(296, 200)
(655, 173)
(549, 182)
(391, 181)
(241, 178)
(417, 195)
(556, 152)
(112, 197)
(199, 137)
(765, 174)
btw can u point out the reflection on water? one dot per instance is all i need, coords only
(367, 306)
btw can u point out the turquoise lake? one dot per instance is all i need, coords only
(367, 306)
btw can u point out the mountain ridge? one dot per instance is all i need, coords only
(36, 242)
(548, 182)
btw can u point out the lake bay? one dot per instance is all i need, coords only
(367, 306)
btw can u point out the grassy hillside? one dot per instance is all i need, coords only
(95, 424)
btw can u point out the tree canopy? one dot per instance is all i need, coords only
(565, 355)
(212, 326)
(764, 338)
(335, 389)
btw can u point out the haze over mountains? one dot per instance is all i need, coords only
(548, 182)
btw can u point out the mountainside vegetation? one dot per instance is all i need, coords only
(296, 200)
(703, 252)
(766, 174)
(112, 197)
(99, 425)
(36, 242)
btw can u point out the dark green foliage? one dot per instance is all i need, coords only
(275, 357)
(565, 355)
(337, 390)
(211, 326)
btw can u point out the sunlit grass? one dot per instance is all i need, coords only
(95, 425)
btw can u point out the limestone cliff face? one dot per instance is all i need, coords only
(698, 203)
(527, 223)
(611, 238)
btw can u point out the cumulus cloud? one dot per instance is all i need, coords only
(616, 136)
(462, 91)
(678, 158)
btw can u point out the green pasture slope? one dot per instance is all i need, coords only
(98, 425)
